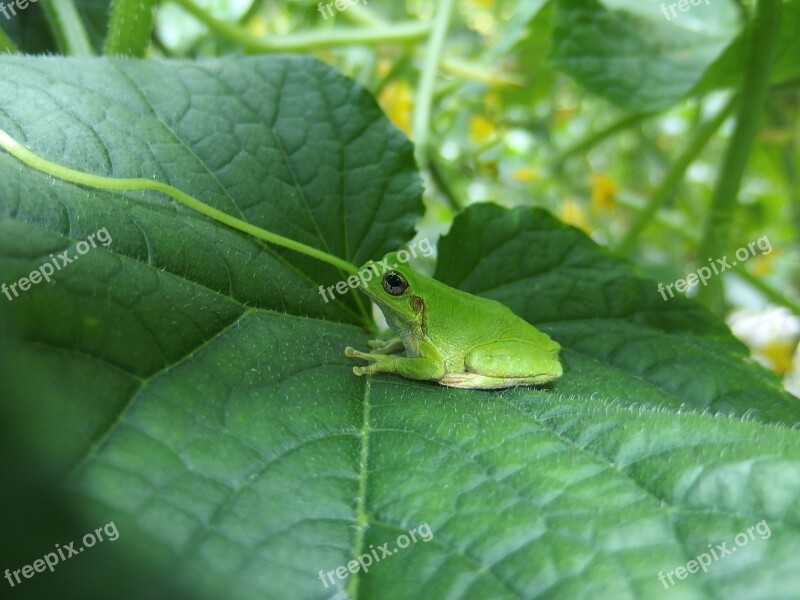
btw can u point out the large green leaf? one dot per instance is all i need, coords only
(193, 384)
(728, 70)
(629, 52)
(646, 56)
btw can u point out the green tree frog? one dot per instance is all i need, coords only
(451, 337)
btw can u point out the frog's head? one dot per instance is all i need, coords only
(394, 287)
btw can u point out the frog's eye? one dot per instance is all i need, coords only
(394, 283)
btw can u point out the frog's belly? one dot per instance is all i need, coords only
(474, 381)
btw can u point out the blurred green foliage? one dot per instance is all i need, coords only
(633, 123)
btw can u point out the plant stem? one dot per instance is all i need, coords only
(716, 233)
(792, 181)
(305, 42)
(363, 16)
(674, 176)
(669, 223)
(444, 187)
(7, 45)
(398, 67)
(471, 72)
(769, 292)
(585, 144)
(427, 84)
(112, 183)
(129, 28)
(455, 66)
(68, 28)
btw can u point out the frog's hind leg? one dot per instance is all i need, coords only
(511, 358)
(519, 362)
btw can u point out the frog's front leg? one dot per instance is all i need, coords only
(428, 366)
(392, 346)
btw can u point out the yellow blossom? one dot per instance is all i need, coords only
(481, 128)
(604, 190)
(779, 353)
(257, 26)
(574, 213)
(763, 264)
(397, 102)
(524, 175)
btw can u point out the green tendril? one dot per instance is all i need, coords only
(126, 184)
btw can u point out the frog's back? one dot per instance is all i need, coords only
(462, 320)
